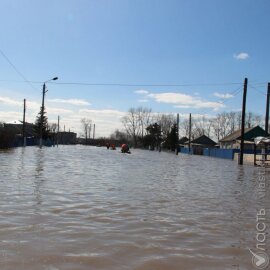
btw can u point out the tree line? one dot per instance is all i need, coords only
(144, 128)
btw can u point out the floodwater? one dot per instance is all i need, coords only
(77, 207)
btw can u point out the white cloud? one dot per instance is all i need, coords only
(107, 112)
(185, 101)
(72, 101)
(106, 120)
(141, 91)
(9, 101)
(241, 56)
(32, 105)
(10, 116)
(58, 111)
(143, 100)
(223, 95)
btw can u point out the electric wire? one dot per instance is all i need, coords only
(16, 69)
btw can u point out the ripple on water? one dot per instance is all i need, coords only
(74, 207)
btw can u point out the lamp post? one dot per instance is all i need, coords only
(42, 110)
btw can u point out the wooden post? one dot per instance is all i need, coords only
(189, 135)
(42, 116)
(255, 154)
(58, 126)
(177, 134)
(94, 130)
(241, 157)
(23, 131)
(89, 132)
(267, 109)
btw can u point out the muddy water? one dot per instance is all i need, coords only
(78, 207)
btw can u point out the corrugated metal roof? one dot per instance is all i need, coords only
(237, 134)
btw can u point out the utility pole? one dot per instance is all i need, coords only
(58, 126)
(241, 157)
(267, 109)
(189, 134)
(89, 132)
(42, 115)
(42, 110)
(177, 134)
(94, 130)
(23, 131)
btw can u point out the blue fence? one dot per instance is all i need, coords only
(185, 150)
(219, 153)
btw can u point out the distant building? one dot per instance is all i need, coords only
(201, 142)
(17, 128)
(182, 141)
(233, 140)
(67, 137)
(197, 145)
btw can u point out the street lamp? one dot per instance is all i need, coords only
(42, 110)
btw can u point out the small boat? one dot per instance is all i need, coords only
(113, 147)
(125, 149)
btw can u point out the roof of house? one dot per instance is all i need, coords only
(249, 134)
(183, 140)
(17, 128)
(203, 140)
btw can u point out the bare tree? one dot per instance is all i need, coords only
(165, 121)
(136, 121)
(145, 117)
(253, 120)
(52, 127)
(86, 123)
(131, 124)
(119, 135)
(184, 125)
(202, 126)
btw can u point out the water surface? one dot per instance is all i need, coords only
(77, 207)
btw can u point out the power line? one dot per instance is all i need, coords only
(125, 84)
(259, 91)
(145, 85)
(16, 69)
(224, 100)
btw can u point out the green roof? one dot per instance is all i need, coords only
(249, 134)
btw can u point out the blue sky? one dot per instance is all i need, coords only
(207, 48)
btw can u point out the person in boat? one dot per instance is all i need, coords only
(113, 147)
(125, 148)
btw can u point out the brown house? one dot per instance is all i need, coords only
(232, 141)
(201, 142)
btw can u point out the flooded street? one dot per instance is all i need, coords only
(77, 207)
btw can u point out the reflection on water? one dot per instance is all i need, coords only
(81, 207)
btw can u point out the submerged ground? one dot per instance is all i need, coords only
(78, 207)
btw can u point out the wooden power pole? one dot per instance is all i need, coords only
(189, 134)
(94, 130)
(177, 134)
(241, 157)
(58, 128)
(267, 109)
(23, 131)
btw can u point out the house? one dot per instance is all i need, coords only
(65, 137)
(201, 142)
(17, 128)
(182, 141)
(233, 140)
